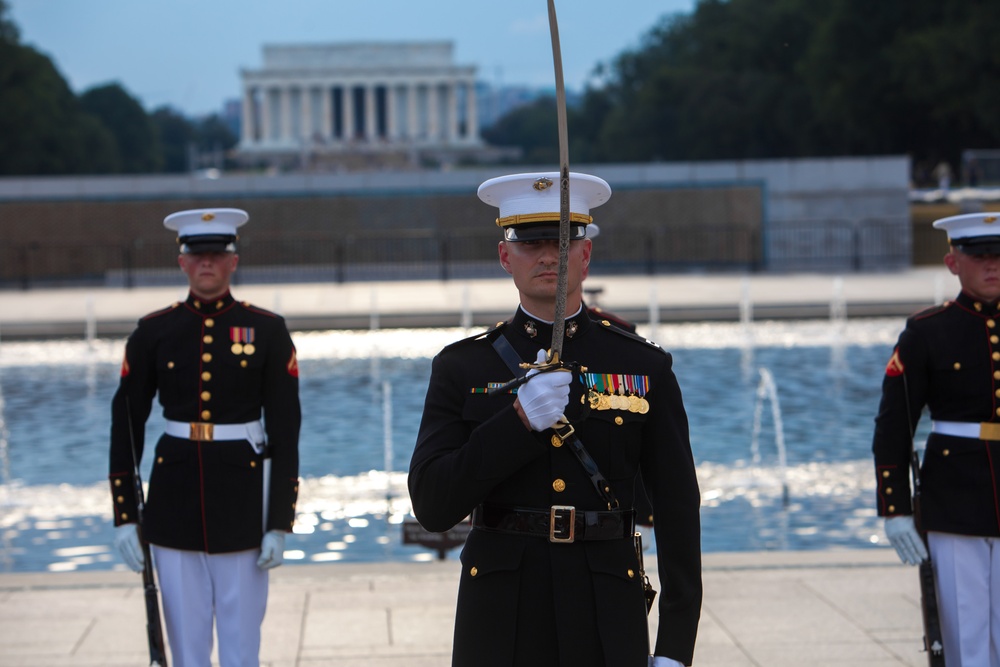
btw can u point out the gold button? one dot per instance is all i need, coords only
(206, 415)
(996, 375)
(206, 376)
(197, 304)
(556, 441)
(118, 482)
(990, 323)
(998, 393)
(209, 322)
(208, 339)
(559, 486)
(207, 357)
(206, 395)
(957, 366)
(886, 473)
(253, 464)
(998, 411)
(892, 509)
(243, 363)
(945, 452)
(996, 356)
(619, 421)
(888, 490)
(159, 459)
(995, 339)
(631, 573)
(124, 516)
(978, 306)
(473, 571)
(219, 305)
(121, 499)
(170, 364)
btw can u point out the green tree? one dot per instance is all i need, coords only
(134, 133)
(42, 128)
(176, 135)
(533, 128)
(214, 141)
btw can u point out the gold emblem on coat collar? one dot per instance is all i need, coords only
(531, 328)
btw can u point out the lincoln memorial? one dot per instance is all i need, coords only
(359, 104)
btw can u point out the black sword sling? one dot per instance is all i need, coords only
(567, 434)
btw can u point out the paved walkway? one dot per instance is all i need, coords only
(683, 297)
(773, 609)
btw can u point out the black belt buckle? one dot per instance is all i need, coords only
(566, 515)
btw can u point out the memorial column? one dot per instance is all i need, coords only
(471, 112)
(248, 132)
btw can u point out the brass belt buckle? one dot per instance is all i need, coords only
(201, 431)
(556, 512)
(989, 431)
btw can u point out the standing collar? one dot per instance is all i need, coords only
(210, 307)
(540, 331)
(969, 302)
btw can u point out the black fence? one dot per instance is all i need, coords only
(830, 245)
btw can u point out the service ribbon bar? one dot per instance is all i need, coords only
(610, 383)
(241, 334)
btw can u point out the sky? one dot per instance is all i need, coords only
(188, 54)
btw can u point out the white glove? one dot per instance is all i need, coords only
(660, 661)
(272, 550)
(903, 535)
(127, 543)
(544, 398)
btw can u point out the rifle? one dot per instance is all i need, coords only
(933, 642)
(154, 628)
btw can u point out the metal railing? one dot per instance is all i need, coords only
(829, 245)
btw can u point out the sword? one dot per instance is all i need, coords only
(553, 361)
(559, 321)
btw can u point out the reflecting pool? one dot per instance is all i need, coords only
(362, 392)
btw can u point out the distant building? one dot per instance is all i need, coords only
(366, 104)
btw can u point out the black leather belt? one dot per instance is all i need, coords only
(559, 523)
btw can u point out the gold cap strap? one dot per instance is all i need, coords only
(524, 218)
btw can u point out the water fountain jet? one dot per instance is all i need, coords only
(767, 391)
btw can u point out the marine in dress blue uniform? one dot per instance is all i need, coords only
(947, 359)
(224, 483)
(550, 574)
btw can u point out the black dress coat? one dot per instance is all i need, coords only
(947, 359)
(222, 362)
(526, 601)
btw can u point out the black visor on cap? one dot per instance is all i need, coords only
(543, 231)
(978, 245)
(208, 243)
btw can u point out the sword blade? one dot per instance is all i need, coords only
(559, 321)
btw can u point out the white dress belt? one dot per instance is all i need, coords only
(252, 432)
(975, 430)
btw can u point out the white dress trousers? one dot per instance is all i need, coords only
(967, 570)
(195, 587)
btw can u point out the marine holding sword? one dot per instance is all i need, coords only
(947, 359)
(224, 484)
(547, 469)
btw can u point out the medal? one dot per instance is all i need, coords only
(242, 338)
